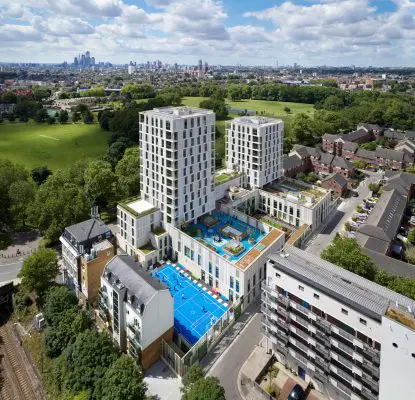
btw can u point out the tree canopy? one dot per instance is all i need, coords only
(39, 270)
(123, 380)
(346, 253)
(205, 389)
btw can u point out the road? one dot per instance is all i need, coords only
(227, 367)
(343, 214)
(8, 272)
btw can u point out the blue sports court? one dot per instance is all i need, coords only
(195, 310)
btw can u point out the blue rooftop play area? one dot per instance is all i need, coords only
(195, 310)
(225, 234)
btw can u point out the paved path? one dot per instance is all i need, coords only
(343, 214)
(162, 383)
(234, 354)
(9, 272)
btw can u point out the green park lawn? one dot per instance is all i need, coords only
(270, 108)
(57, 146)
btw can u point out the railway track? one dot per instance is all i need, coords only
(17, 384)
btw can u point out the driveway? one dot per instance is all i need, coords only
(227, 366)
(344, 212)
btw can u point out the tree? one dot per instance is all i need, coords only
(99, 181)
(60, 202)
(70, 323)
(39, 270)
(123, 380)
(116, 150)
(41, 115)
(194, 373)
(346, 253)
(217, 105)
(128, 183)
(205, 389)
(87, 360)
(40, 174)
(411, 236)
(104, 118)
(360, 164)
(374, 187)
(63, 116)
(410, 255)
(76, 117)
(58, 299)
(21, 193)
(302, 129)
(287, 110)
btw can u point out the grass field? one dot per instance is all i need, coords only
(56, 146)
(270, 108)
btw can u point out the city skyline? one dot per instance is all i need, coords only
(308, 32)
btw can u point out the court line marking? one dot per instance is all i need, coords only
(49, 137)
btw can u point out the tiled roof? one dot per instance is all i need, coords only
(88, 229)
(388, 154)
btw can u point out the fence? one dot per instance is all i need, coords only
(179, 362)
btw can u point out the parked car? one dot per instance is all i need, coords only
(354, 193)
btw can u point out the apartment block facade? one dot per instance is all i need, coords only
(337, 330)
(177, 153)
(86, 248)
(136, 309)
(254, 147)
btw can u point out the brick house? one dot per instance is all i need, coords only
(337, 183)
(349, 150)
(341, 166)
(293, 164)
(332, 144)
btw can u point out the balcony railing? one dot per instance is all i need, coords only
(299, 307)
(285, 301)
(370, 367)
(323, 324)
(341, 387)
(369, 381)
(367, 394)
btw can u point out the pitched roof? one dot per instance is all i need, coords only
(341, 162)
(406, 145)
(305, 151)
(399, 180)
(326, 158)
(388, 154)
(88, 229)
(330, 137)
(337, 177)
(366, 154)
(122, 269)
(350, 146)
(394, 135)
(369, 127)
(291, 162)
(355, 135)
(384, 221)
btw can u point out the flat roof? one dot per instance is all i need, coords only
(140, 206)
(359, 293)
(179, 111)
(256, 120)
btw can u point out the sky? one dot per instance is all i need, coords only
(228, 32)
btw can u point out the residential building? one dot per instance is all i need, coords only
(7, 108)
(336, 183)
(136, 308)
(254, 147)
(178, 161)
(295, 202)
(344, 334)
(86, 248)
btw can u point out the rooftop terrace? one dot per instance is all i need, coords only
(296, 192)
(137, 207)
(232, 239)
(180, 111)
(252, 120)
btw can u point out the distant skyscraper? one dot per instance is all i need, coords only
(83, 60)
(92, 60)
(206, 66)
(75, 61)
(200, 67)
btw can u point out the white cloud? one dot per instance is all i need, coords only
(320, 31)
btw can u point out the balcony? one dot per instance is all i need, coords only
(283, 312)
(322, 350)
(369, 381)
(367, 394)
(300, 308)
(371, 368)
(341, 387)
(265, 287)
(134, 342)
(323, 324)
(284, 301)
(373, 353)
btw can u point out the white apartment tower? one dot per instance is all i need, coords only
(254, 147)
(177, 149)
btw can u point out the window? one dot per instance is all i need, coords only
(231, 281)
(363, 321)
(316, 296)
(301, 288)
(277, 275)
(217, 272)
(237, 286)
(345, 312)
(210, 267)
